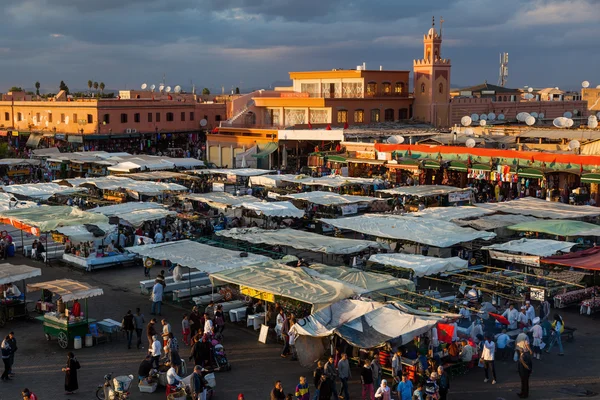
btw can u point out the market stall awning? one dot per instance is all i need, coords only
(452, 213)
(530, 173)
(365, 161)
(86, 233)
(337, 159)
(301, 240)
(266, 150)
(494, 221)
(458, 166)
(590, 178)
(406, 164)
(283, 209)
(272, 180)
(34, 140)
(196, 255)
(36, 220)
(534, 247)
(233, 172)
(334, 181)
(414, 229)
(329, 198)
(220, 200)
(135, 213)
(421, 265)
(541, 209)
(369, 281)
(10, 273)
(586, 259)
(558, 227)
(42, 191)
(423, 190)
(67, 289)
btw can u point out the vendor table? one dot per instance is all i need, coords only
(589, 306)
(565, 299)
(255, 320)
(237, 314)
(109, 326)
(64, 331)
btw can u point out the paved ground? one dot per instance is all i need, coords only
(255, 365)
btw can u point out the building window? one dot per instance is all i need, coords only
(90, 119)
(123, 118)
(182, 116)
(62, 118)
(399, 88)
(403, 113)
(217, 117)
(371, 89)
(7, 116)
(342, 116)
(49, 117)
(422, 88)
(136, 117)
(74, 118)
(149, 117)
(250, 118)
(359, 116)
(157, 117)
(191, 115)
(169, 117)
(106, 119)
(441, 88)
(19, 117)
(388, 114)
(504, 98)
(387, 88)
(375, 115)
(37, 117)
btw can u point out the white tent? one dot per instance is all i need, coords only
(233, 172)
(10, 273)
(534, 247)
(79, 233)
(421, 265)
(329, 198)
(452, 213)
(368, 281)
(490, 222)
(147, 188)
(9, 202)
(271, 180)
(283, 209)
(542, 209)
(334, 181)
(221, 200)
(186, 163)
(191, 254)
(42, 191)
(423, 190)
(135, 213)
(414, 229)
(301, 240)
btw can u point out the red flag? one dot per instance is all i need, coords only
(309, 125)
(580, 168)
(328, 127)
(532, 160)
(346, 125)
(215, 130)
(445, 332)
(409, 152)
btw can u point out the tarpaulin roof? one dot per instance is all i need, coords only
(534, 247)
(331, 181)
(185, 162)
(495, 221)
(383, 324)
(329, 198)
(117, 182)
(221, 199)
(135, 213)
(146, 163)
(80, 233)
(452, 213)
(301, 240)
(586, 259)
(323, 322)
(9, 202)
(157, 175)
(302, 284)
(558, 227)
(423, 190)
(200, 256)
(541, 209)
(10, 273)
(369, 281)
(36, 220)
(283, 209)
(419, 230)
(19, 161)
(236, 172)
(270, 180)
(421, 265)
(41, 191)
(67, 289)
(266, 150)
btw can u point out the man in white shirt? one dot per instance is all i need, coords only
(487, 355)
(172, 377)
(157, 295)
(155, 351)
(158, 237)
(502, 341)
(397, 365)
(522, 340)
(165, 331)
(522, 318)
(512, 316)
(466, 355)
(465, 314)
(12, 291)
(209, 328)
(530, 311)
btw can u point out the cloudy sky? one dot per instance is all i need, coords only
(253, 43)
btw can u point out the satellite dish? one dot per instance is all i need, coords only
(161, 87)
(396, 139)
(575, 112)
(529, 96)
(541, 115)
(534, 114)
(530, 120)
(469, 132)
(501, 117)
(491, 116)
(592, 123)
(177, 89)
(483, 117)
(522, 116)
(152, 87)
(530, 90)
(474, 117)
(203, 122)
(560, 122)
(574, 144)
(144, 86)
(585, 84)
(466, 120)
(482, 122)
(570, 122)
(568, 114)
(598, 87)
(168, 89)
(470, 143)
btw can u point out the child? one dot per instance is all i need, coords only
(419, 394)
(185, 326)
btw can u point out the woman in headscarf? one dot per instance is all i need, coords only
(70, 371)
(383, 392)
(6, 351)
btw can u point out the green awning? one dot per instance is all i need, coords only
(481, 167)
(590, 178)
(432, 164)
(337, 159)
(96, 137)
(458, 166)
(267, 150)
(530, 173)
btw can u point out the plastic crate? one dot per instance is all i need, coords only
(148, 388)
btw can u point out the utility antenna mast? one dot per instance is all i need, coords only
(503, 78)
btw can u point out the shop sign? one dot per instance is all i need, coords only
(537, 294)
(218, 187)
(349, 209)
(15, 133)
(366, 154)
(384, 156)
(459, 196)
(533, 261)
(59, 136)
(3, 133)
(256, 294)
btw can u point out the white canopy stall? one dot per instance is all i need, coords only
(135, 213)
(221, 200)
(452, 213)
(41, 191)
(527, 251)
(419, 264)
(329, 198)
(541, 209)
(284, 209)
(423, 190)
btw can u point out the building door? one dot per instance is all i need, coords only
(403, 113)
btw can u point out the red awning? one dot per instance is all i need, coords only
(585, 259)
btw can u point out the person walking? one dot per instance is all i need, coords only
(12, 341)
(383, 392)
(487, 356)
(157, 296)
(151, 332)
(332, 374)
(443, 383)
(185, 329)
(302, 390)
(538, 335)
(558, 327)
(128, 325)
(525, 368)
(317, 374)
(324, 389)
(405, 388)
(397, 366)
(155, 351)
(198, 384)
(285, 335)
(5, 348)
(366, 380)
(70, 370)
(344, 374)
(138, 320)
(196, 322)
(432, 389)
(377, 371)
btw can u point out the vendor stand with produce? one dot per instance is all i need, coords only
(64, 323)
(12, 300)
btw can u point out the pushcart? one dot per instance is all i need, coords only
(60, 325)
(15, 307)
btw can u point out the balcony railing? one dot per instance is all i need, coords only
(329, 95)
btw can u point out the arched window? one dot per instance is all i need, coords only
(504, 98)
(422, 88)
(375, 115)
(387, 88)
(359, 116)
(342, 116)
(441, 88)
(371, 89)
(388, 114)
(250, 118)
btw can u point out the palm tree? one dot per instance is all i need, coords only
(90, 86)
(37, 88)
(102, 86)
(205, 91)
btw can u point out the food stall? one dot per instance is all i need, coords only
(61, 323)
(14, 306)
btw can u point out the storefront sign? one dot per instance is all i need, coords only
(349, 209)
(15, 133)
(533, 261)
(384, 156)
(537, 294)
(366, 154)
(3, 133)
(459, 196)
(218, 187)
(59, 136)
(264, 296)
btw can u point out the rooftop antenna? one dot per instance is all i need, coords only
(441, 25)
(433, 21)
(503, 78)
